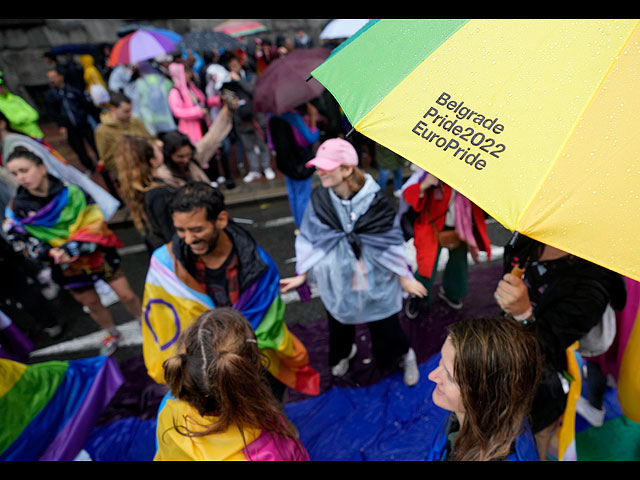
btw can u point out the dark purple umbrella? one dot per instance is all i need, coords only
(283, 85)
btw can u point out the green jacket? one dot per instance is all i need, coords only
(22, 117)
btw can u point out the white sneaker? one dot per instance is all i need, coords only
(448, 301)
(110, 343)
(54, 331)
(269, 174)
(214, 184)
(410, 365)
(221, 180)
(590, 413)
(397, 193)
(250, 177)
(50, 291)
(343, 365)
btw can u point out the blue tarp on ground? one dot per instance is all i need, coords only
(385, 421)
(125, 439)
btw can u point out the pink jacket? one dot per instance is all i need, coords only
(188, 113)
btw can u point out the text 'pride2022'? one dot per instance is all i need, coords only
(436, 121)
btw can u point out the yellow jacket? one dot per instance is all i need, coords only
(91, 74)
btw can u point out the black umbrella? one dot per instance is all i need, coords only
(75, 48)
(127, 28)
(208, 40)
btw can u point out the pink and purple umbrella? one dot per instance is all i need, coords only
(142, 45)
(240, 28)
(286, 82)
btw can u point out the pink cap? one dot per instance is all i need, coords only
(333, 153)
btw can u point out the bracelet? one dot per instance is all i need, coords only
(526, 317)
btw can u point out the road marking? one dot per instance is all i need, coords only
(131, 335)
(276, 222)
(246, 221)
(129, 249)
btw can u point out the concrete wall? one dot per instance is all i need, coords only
(23, 42)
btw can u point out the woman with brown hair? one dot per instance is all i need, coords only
(486, 378)
(351, 248)
(220, 406)
(147, 196)
(58, 223)
(149, 172)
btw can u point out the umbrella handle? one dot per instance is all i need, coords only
(517, 271)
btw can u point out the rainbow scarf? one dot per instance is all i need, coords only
(229, 445)
(173, 300)
(67, 217)
(47, 410)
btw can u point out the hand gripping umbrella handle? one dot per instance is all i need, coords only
(517, 271)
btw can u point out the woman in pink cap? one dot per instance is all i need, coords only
(350, 248)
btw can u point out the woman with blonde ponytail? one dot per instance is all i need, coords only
(220, 406)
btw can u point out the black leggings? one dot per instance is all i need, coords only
(388, 340)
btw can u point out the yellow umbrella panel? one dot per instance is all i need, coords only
(535, 121)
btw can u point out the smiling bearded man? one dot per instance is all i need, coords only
(212, 262)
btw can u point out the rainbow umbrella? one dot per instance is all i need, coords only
(535, 121)
(142, 45)
(240, 28)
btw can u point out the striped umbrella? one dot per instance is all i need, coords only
(142, 45)
(240, 28)
(535, 121)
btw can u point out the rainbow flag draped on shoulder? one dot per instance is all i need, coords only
(48, 410)
(173, 299)
(229, 445)
(67, 217)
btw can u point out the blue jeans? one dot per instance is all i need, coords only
(384, 176)
(299, 193)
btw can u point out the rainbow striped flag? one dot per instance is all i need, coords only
(229, 445)
(47, 410)
(68, 217)
(170, 305)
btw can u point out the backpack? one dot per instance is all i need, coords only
(155, 109)
(290, 157)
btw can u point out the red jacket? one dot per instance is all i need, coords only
(426, 244)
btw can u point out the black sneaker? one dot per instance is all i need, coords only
(412, 307)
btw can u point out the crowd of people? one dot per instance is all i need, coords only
(212, 314)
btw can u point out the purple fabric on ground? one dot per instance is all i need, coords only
(70, 440)
(139, 396)
(14, 345)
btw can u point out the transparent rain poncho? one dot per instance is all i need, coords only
(353, 290)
